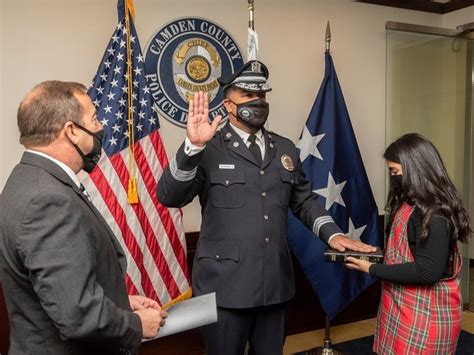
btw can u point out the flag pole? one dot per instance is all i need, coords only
(327, 348)
(252, 39)
(251, 18)
(132, 191)
(328, 38)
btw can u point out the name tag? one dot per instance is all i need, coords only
(226, 166)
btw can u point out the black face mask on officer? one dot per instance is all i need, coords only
(253, 113)
(91, 159)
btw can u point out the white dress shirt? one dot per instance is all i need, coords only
(190, 149)
(63, 166)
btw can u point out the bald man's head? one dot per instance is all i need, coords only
(45, 109)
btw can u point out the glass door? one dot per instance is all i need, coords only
(429, 81)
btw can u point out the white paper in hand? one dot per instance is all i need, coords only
(192, 313)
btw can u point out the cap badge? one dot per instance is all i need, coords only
(256, 67)
(287, 162)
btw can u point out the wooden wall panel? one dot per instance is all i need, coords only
(306, 314)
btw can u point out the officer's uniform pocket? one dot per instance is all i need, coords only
(288, 179)
(219, 249)
(216, 264)
(227, 188)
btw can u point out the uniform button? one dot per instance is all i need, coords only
(227, 182)
(262, 172)
(264, 194)
(267, 240)
(265, 217)
(236, 144)
(217, 256)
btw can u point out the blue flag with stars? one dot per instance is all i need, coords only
(333, 164)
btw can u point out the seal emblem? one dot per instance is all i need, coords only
(184, 57)
(287, 162)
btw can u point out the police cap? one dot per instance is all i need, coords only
(251, 77)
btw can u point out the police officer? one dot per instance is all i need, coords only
(246, 179)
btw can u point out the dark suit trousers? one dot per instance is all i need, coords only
(264, 328)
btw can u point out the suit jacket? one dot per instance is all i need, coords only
(242, 253)
(61, 268)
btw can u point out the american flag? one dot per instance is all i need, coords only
(151, 235)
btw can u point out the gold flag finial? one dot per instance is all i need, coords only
(130, 7)
(328, 37)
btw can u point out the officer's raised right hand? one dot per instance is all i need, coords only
(198, 128)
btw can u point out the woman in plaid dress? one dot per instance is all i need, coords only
(420, 309)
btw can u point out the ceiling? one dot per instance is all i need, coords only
(436, 6)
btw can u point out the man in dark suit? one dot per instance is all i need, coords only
(61, 268)
(246, 179)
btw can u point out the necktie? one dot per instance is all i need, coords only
(84, 191)
(255, 149)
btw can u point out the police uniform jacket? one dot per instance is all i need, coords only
(242, 253)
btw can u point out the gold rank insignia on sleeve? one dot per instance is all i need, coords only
(287, 162)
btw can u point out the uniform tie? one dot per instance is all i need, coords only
(84, 191)
(255, 149)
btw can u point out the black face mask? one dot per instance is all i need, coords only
(253, 113)
(91, 159)
(396, 184)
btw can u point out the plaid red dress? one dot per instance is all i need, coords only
(417, 319)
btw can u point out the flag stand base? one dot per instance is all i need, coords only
(327, 348)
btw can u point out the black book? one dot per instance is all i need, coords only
(333, 255)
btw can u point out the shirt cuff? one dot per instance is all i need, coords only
(332, 236)
(373, 270)
(191, 149)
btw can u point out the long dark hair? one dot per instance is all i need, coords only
(426, 184)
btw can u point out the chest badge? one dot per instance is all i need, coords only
(287, 162)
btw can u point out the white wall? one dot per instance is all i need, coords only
(3, 169)
(65, 39)
(456, 18)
